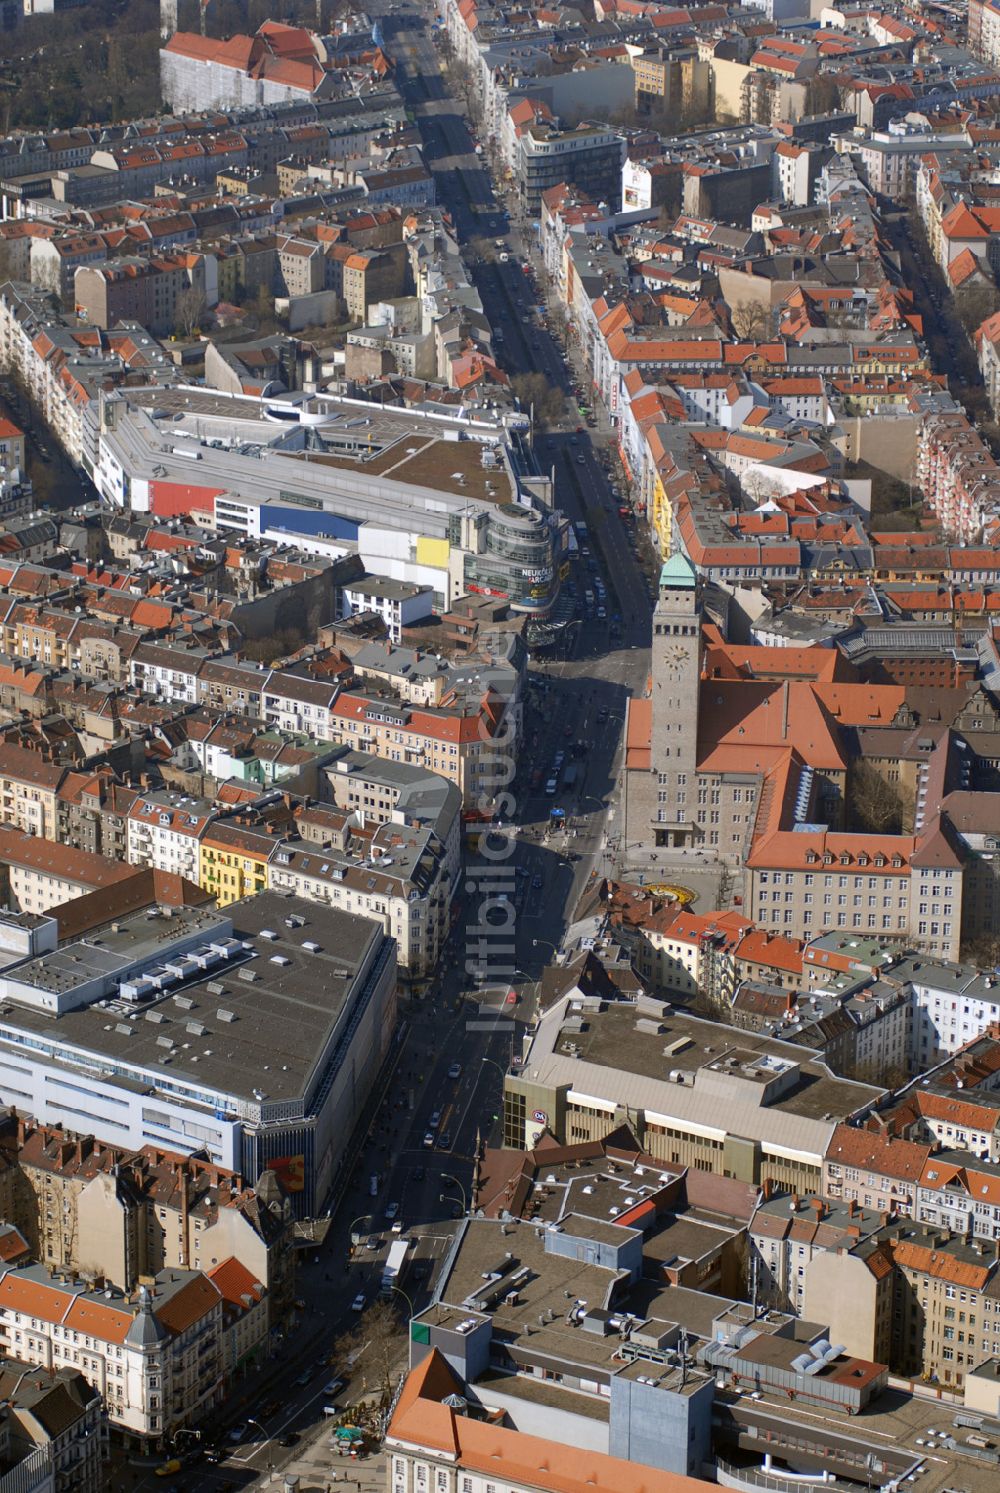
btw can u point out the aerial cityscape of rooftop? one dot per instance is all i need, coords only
(499, 746)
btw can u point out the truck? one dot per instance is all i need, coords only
(570, 775)
(395, 1265)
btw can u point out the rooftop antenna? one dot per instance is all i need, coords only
(684, 1357)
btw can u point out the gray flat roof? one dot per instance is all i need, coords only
(118, 946)
(612, 1039)
(276, 1025)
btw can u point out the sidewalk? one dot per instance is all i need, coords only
(320, 1470)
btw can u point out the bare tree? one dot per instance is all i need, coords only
(874, 805)
(483, 249)
(8, 263)
(375, 1348)
(534, 389)
(975, 303)
(751, 321)
(983, 951)
(188, 311)
(822, 96)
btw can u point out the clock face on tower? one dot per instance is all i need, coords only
(676, 655)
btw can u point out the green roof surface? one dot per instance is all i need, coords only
(678, 571)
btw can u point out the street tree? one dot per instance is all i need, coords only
(974, 303)
(535, 390)
(382, 1342)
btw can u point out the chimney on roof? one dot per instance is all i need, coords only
(794, 1204)
(820, 1208)
(852, 1208)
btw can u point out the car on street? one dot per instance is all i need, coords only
(397, 1226)
(418, 1173)
(550, 788)
(455, 1071)
(429, 1141)
(290, 1438)
(602, 715)
(435, 1120)
(444, 1142)
(238, 1431)
(359, 1303)
(391, 1209)
(334, 1387)
(581, 460)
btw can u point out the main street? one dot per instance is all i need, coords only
(607, 657)
(444, 1089)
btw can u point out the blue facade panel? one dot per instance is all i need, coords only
(296, 520)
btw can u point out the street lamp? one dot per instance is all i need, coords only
(400, 1292)
(267, 1441)
(447, 1177)
(350, 1230)
(546, 943)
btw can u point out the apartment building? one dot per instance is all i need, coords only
(928, 1300)
(55, 261)
(155, 1356)
(544, 155)
(164, 830)
(956, 472)
(960, 1192)
(401, 875)
(159, 292)
(959, 1120)
(38, 874)
(52, 1429)
(787, 1232)
(399, 605)
(952, 1004)
(11, 446)
(453, 743)
(29, 787)
(78, 1199)
(874, 1170)
(984, 30)
(233, 859)
(65, 368)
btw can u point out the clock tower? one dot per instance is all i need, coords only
(676, 679)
